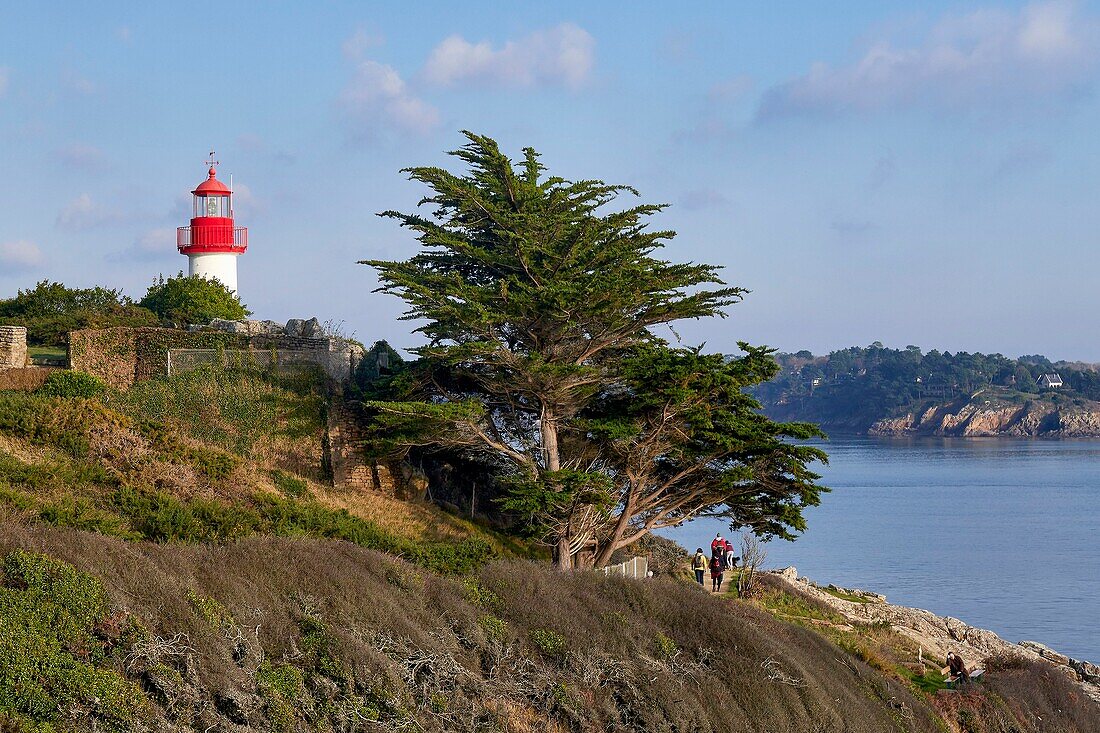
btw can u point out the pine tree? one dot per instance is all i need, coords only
(535, 297)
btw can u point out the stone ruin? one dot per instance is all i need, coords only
(294, 328)
(13, 347)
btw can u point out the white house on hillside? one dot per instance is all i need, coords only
(1051, 381)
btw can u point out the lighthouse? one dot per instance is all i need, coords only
(212, 243)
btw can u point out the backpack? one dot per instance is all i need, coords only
(716, 565)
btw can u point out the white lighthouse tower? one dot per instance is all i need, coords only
(212, 243)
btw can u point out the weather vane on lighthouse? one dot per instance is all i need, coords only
(212, 243)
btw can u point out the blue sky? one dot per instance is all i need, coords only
(915, 173)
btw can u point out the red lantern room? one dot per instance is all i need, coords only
(212, 230)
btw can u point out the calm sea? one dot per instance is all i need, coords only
(998, 532)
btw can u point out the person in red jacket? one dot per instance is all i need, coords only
(717, 568)
(718, 547)
(728, 557)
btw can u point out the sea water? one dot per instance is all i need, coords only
(998, 532)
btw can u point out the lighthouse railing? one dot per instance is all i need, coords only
(214, 237)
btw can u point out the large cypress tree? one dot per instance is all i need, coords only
(538, 301)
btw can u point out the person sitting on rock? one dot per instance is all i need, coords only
(956, 668)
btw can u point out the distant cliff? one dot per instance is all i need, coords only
(983, 417)
(884, 391)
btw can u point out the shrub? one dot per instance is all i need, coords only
(182, 301)
(495, 628)
(67, 383)
(666, 647)
(48, 648)
(281, 687)
(51, 310)
(550, 644)
(291, 486)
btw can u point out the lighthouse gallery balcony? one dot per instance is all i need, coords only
(212, 238)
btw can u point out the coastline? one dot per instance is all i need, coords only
(939, 634)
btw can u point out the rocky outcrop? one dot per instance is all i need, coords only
(975, 417)
(938, 635)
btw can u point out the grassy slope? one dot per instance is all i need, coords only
(206, 457)
(1017, 695)
(242, 617)
(306, 634)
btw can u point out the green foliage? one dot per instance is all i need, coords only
(67, 383)
(182, 301)
(234, 409)
(534, 297)
(50, 655)
(495, 628)
(50, 310)
(211, 611)
(291, 486)
(857, 386)
(281, 686)
(930, 682)
(550, 644)
(477, 594)
(665, 646)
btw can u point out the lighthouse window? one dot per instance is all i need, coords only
(212, 206)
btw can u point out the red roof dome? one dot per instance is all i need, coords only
(212, 186)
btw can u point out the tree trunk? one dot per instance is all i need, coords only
(548, 430)
(563, 556)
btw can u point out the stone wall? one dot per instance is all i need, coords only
(122, 356)
(13, 347)
(350, 468)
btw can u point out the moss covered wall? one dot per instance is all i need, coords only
(121, 356)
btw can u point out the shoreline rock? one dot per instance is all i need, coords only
(940, 634)
(1032, 419)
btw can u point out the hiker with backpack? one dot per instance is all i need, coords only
(717, 569)
(699, 565)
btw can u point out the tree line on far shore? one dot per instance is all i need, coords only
(872, 382)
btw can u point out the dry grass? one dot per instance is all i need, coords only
(576, 652)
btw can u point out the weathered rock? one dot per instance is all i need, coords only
(311, 329)
(268, 327)
(1046, 652)
(788, 574)
(220, 324)
(938, 635)
(1087, 671)
(293, 327)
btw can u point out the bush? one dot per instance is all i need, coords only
(182, 301)
(51, 310)
(72, 384)
(49, 650)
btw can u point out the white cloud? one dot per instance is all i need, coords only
(20, 255)
(378, 99)
(84, 213)
(123, 33)
(1046, 50)
(559, 56)
(82, 157)
(358, 43)
(245, 204)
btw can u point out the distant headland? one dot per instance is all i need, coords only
(906, 392)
